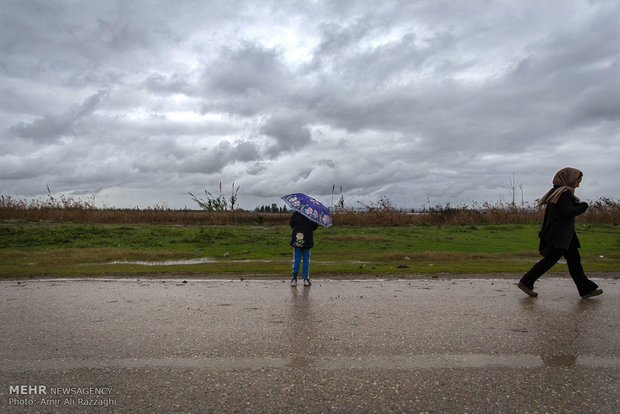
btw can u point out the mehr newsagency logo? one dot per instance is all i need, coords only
(46, 396)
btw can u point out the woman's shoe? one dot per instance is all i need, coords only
(294, 282)
(527, 290)
(595, 292)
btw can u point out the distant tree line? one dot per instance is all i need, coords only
(273, 208)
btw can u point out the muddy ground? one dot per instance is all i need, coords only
(333, 276)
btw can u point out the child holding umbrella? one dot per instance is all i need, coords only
(309, 213)
(302, 242)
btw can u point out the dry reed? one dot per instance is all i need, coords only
(64, 209)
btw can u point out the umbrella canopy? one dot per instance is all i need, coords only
(309, 207)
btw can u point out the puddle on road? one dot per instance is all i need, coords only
(299, 362)
(200, 260)
(559, 360)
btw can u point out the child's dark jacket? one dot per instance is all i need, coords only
(303, 229)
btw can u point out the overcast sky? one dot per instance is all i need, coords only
(139, 102)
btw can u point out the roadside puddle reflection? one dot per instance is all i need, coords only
(165, 262)
(559, 360)
(298, 362)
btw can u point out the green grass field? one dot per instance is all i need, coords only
(74, 249)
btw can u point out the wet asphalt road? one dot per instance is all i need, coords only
(339, 346)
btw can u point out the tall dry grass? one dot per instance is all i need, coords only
(66, 209)
(12, 209)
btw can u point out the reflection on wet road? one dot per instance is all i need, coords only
(355, 344)
(327, 363)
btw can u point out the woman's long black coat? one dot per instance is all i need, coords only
(558, 229)
(303, 229)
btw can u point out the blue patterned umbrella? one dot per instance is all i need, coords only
(309, 207)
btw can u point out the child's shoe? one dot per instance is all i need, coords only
(307, 282)
(294, 282)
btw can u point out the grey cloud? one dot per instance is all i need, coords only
(289, 133)
(119, 33)
(246, 81)
(250, 105)
(14, 168)
(20, 22)
(245, 151)
(215, 159)
(168, 84)
(205, 161)
(250, 67)
(64, 167)
(50, 127)
(157, 125)
(257, 168)
(338, 39)
(601, 104)
(328, 163)
(396, 59)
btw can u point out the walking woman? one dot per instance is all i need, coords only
(557, 235)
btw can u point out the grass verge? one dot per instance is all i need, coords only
(73, 249)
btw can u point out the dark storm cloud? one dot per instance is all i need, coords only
(407, 99)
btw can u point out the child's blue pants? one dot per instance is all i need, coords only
(297, 257)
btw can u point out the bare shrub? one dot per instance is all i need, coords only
(603, 210)
(382, 213)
